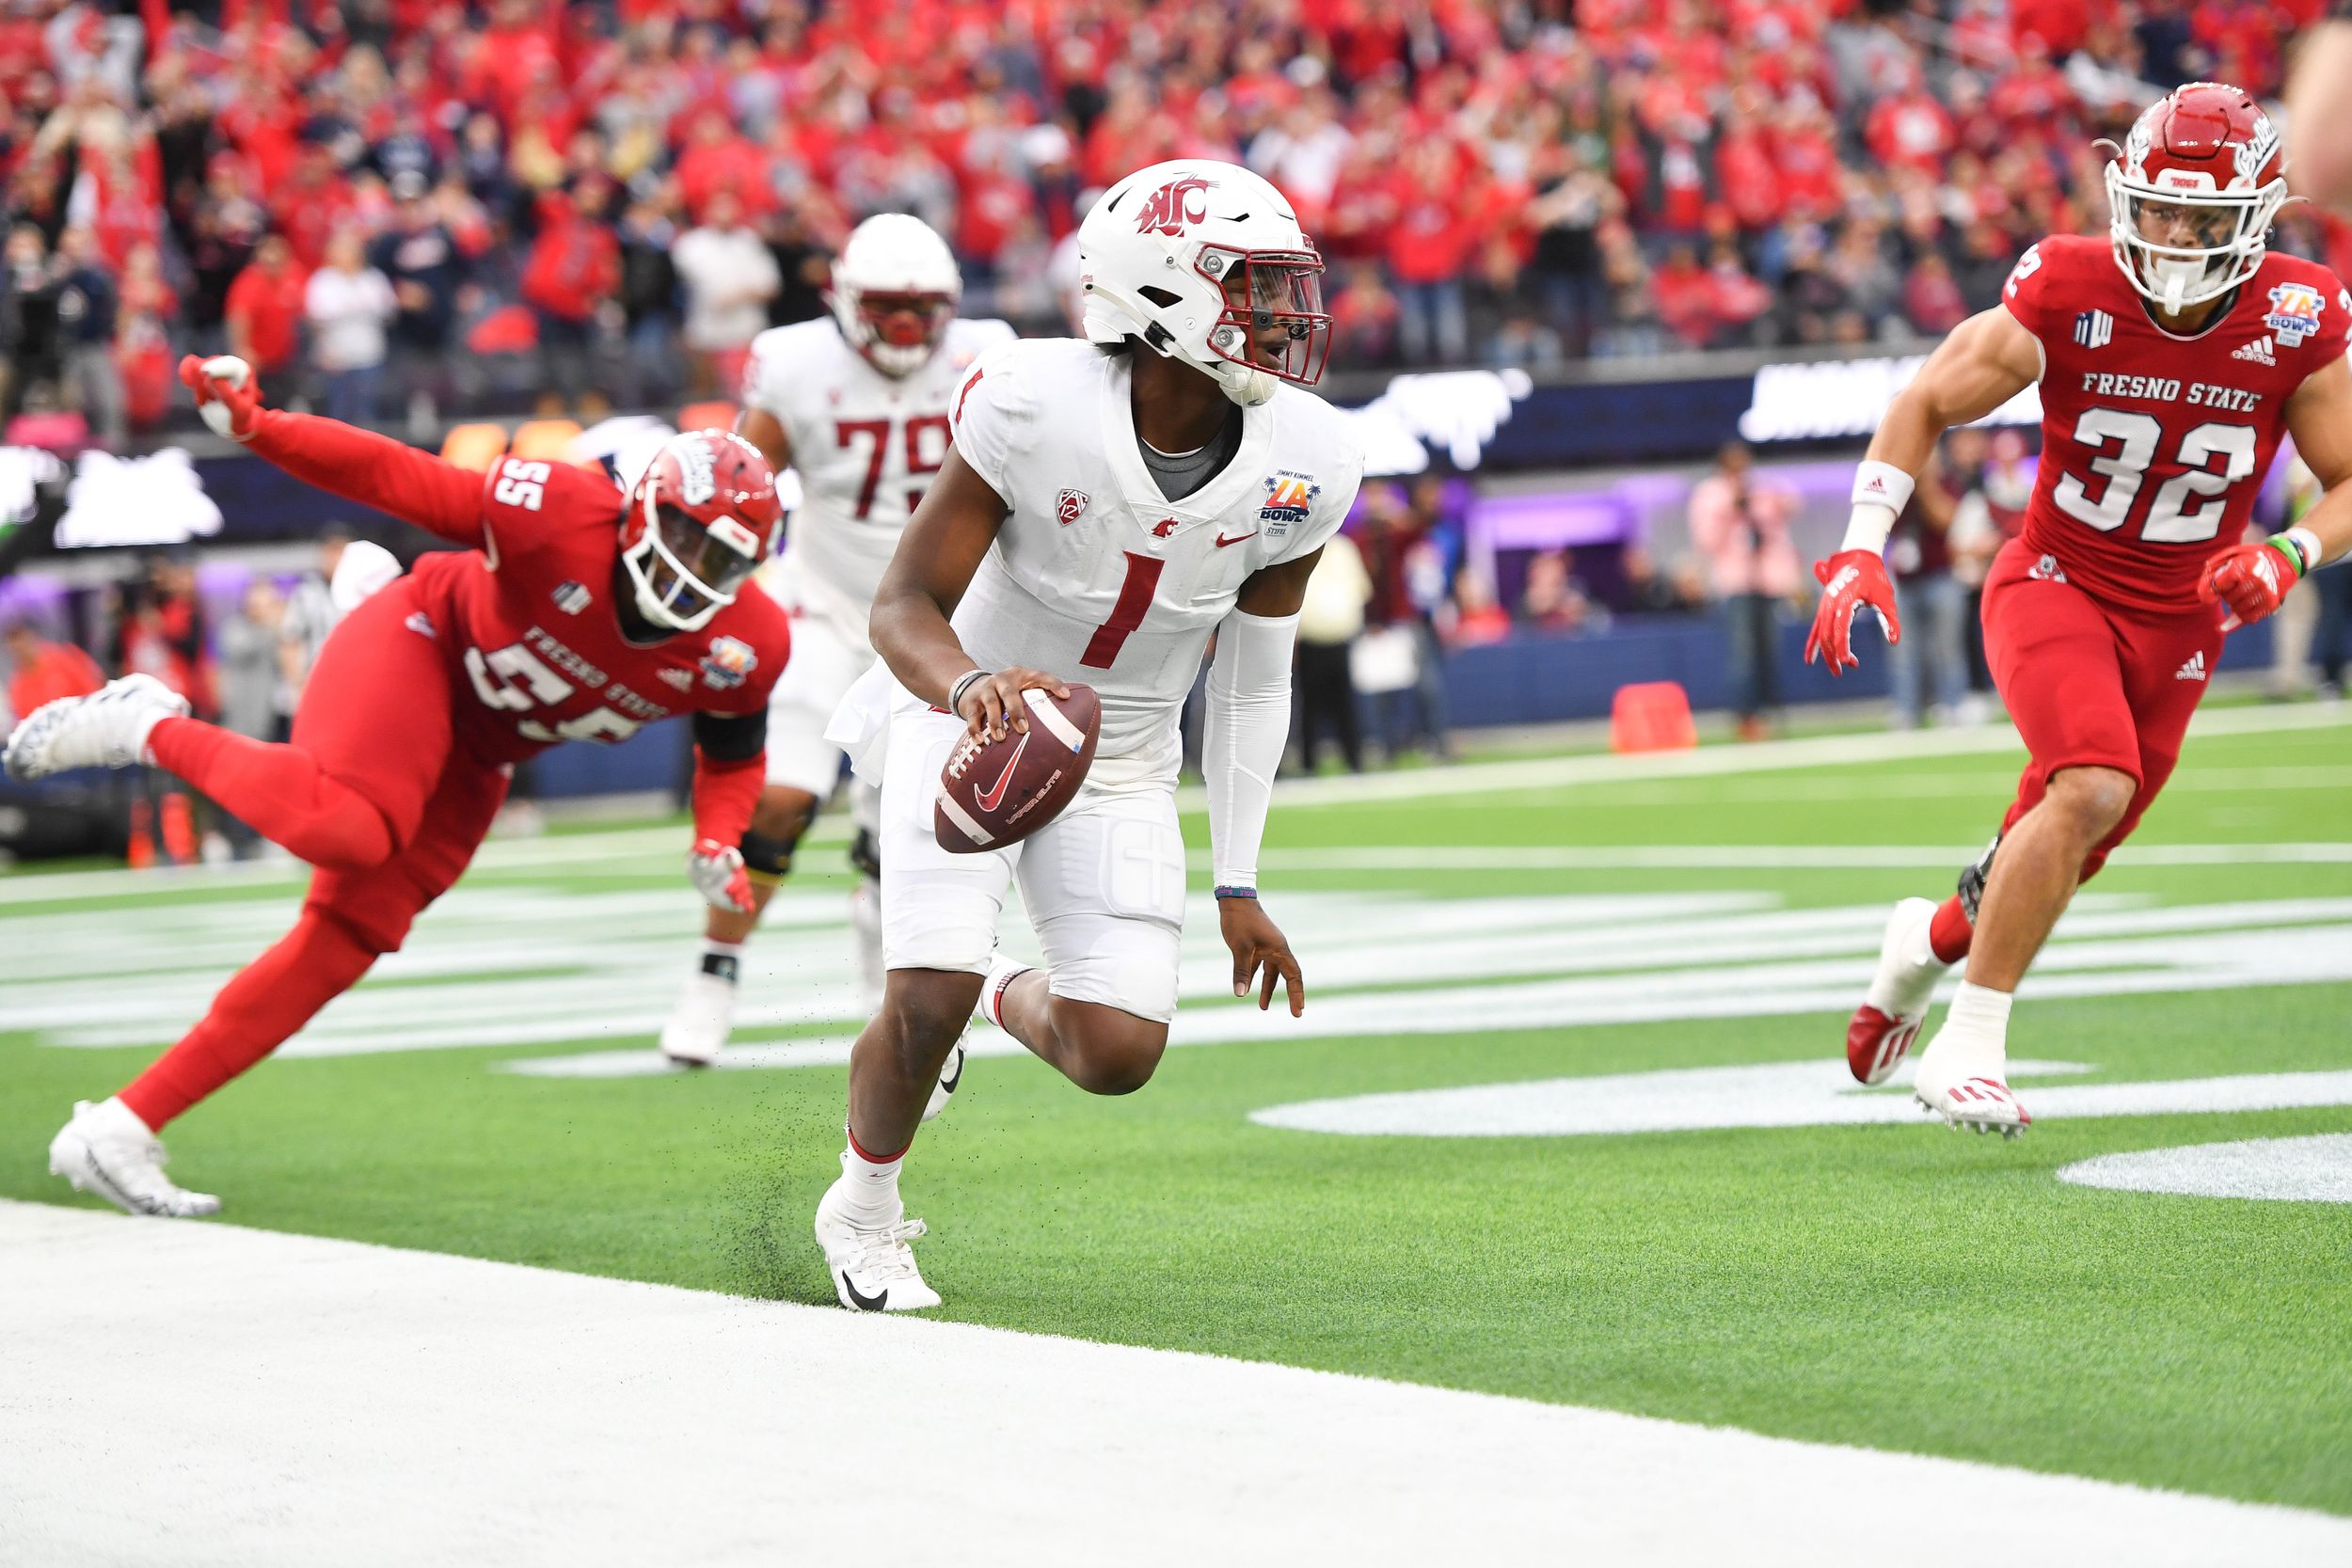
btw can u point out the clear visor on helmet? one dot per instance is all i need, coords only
(694, 567)
(2183, 248)
(1274, 318)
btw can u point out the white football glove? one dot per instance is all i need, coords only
(717, 872)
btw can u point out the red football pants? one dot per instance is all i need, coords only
(2092, 685)
(372, 791)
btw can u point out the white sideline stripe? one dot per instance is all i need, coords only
(1877, 747)
(2316, 1169)
(284, 1399)
(1734, 857)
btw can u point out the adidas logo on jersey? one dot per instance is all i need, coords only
(2046, 570)
(2094, 328)
(2194, 669)
(682, 679)
(2258, 351)
(421, 624)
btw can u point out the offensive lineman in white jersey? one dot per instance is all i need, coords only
(1110, 505)
(858, 404)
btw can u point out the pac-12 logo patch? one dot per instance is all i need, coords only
(1288, 497)
(571, 598)
(729, 662)
(2294, 309)
(1070, 505)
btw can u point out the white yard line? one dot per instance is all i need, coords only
(2313, 1169)
(198, 1394)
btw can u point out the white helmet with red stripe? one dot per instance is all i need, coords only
(1204, 261)
(701, 519)
(2192, 198)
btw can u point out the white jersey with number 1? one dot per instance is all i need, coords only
(864, 447)
(1095, 575)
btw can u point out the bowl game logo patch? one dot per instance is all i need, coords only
(2294, 313)
(1288, 496)
(729, 663)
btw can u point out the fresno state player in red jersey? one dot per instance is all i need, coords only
(2171, 356)
(575, 613)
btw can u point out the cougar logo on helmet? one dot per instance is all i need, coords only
(1174, 207)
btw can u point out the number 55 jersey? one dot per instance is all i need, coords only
(2153, 443)
(1096, 575)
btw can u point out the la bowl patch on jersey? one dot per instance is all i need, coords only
(729, 663)
(1289, 495)
(2294, 309)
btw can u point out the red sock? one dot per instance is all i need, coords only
(1949, 932)
(278, 791)
(255, 1012)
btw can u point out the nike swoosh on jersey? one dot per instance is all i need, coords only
(990, 798)
(1222, 541)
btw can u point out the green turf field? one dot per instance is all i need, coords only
(1878, 1282)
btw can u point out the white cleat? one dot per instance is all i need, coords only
(106, 729)
(1969, 1086)
(873, 1270)
(699, 1025)
(1882, 1031)
(107, 1150)
(950, 1076)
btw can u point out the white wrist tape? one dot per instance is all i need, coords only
(1881, 491)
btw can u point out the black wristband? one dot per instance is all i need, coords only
(963, 685)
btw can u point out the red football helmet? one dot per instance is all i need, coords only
(2192, 196)
(701, 519)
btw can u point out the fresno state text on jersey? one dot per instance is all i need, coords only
(2155, 443)
(529, 626)
(1124, 592)
(865, 446)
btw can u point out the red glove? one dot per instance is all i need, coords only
(2251, 580)
(226, 393)
(1850, 579)
(717, 872)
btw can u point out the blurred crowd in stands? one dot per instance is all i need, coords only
(401, 209)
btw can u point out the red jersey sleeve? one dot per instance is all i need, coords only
(373, 470)
(2027, 294)
(2310, 309)
(522, 502)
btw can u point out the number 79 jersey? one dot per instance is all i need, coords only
(865, 446)
(2154, 445)
(1095, 575)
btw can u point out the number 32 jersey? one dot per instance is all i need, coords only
(2154, 445)
(865, 446)
(1096, 576)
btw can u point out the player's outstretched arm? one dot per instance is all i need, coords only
(1249, 722)
(766, 432)
(357, 465)
(1988, 359)
(2253, 579)
(730, 764)
(951, 530)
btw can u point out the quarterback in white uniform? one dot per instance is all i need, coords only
(1109, 506)
(857, 404)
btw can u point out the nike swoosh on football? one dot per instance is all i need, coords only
(1222, 541)
(865, 1301)
(990, 798)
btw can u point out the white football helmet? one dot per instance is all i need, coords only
(895, 288)
(1204, 261)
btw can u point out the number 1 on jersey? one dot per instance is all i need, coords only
(1135, 602)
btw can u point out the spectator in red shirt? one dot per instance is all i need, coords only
(573, 274)
(264, 312)
(1686, 294)
(1910, 127)
(41, 671)
(1930, 299)
(1429, 246)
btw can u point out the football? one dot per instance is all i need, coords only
(993, 793)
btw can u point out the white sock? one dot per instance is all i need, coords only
(1981, 1011)
(873, 1198)
(722, 958)
(1001, 973)
(1973, 1043)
